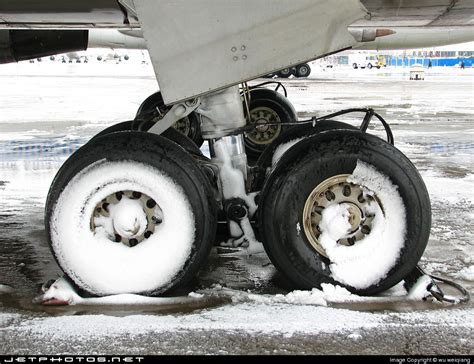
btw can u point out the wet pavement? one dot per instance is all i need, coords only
(47, 111)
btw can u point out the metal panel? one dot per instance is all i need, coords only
(33, 14)
(428, 36)
(203, 45)
(418, 13)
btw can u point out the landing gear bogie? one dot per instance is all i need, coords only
(331, 203)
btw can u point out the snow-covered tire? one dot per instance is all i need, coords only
(160, 216)
(189, 125)
(292, 135)
(266, 106)
(170, 133)
(303, 70)
(293, 237)
(299, 132)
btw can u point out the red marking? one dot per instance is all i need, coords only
(55, 302)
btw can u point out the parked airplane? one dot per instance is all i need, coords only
(135, 209)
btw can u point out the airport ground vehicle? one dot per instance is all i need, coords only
(135, 211)
(364, 61)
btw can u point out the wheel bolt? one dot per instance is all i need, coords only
(118, 195)
(148, 234)
(351, 240)
(346, 190)
(156, 220)
(133, 242)
(330, 195)
(98, 209)
(361, 198)
(150, 203)
(365, 230)
(136, 195)
(118, 238)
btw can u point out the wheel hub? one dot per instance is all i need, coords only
(127, 217)
(357, 200)
(183, 126)
(356, 216)
(267, 128)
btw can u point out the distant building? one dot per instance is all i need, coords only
(447, 56)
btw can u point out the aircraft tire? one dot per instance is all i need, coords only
(303, 70)
(130, 212)
(189, 125)
(285, 73)
(311, 177)
(266, 106)
(170, 133)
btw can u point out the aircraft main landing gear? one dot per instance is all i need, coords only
(133, 211)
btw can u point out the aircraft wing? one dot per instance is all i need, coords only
(58, 14)
(204, 45)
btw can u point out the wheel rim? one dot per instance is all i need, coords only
(303, 70)
(338, 190)
(264, 134)
(127, 217)
(183, 126)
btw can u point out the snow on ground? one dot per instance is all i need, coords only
(48, 111)
(251, 318)
(467, 273)
(448, 189)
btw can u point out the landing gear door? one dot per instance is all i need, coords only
(203, 45)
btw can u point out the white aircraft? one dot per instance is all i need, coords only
(135, 210)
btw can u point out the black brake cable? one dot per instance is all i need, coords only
(434, 289)
(437, 293)
(314, 120)
(279, 84)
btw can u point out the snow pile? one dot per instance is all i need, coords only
(102, 266)
(334, 223)
(370, 259)
(62, 293)
(419, 291)
(467, 273)
(316, 297)
(120, 218)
